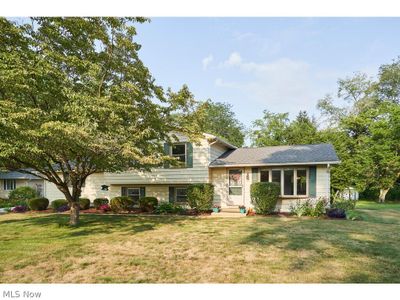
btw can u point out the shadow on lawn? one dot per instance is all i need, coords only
(349, 241)
(97, 224)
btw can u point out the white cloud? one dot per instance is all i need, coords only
(280, 85)
(234, 60)
(206, 61)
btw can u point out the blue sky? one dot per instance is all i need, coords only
(279, 64)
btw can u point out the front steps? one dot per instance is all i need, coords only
(229, 212)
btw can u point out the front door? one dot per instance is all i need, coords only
(235, 187)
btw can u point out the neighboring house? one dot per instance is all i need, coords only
(349, 193)
(301, 170)
(11, 180)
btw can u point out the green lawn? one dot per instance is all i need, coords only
(41, 248)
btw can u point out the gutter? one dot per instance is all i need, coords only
(276, 164)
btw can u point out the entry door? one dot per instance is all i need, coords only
(235, 187)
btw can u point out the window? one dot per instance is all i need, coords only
(301, 179)
(179, 152)
(264, 175)
(294, 180)
(181, 194)
(235, 182)
(276, 176)
(134, 194)
(9, 184)
(288, 182)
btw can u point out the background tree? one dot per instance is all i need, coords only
(277, 129)
(219, 119)
(367, 127)
(75, 99)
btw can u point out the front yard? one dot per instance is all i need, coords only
(42, 248)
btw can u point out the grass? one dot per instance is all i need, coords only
(43, 249)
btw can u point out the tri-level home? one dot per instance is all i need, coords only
(302, 171)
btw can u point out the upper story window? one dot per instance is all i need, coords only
(178, 151)
(293, 181)
(9, 184)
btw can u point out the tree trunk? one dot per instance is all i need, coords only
(382, 195)
(74, 214)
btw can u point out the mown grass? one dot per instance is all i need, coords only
(43, 249)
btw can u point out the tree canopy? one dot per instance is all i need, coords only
(277, 129)
(219, 119)
(76, 99)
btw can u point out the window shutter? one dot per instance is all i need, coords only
(313, 182)
(189, 158)
(254, 174)
(166, 152)
(171, 194)
(142, 192)
(124, 191)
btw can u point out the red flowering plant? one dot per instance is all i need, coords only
(105, 208)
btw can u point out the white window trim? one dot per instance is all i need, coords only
(186, 156)
(236, 186)
(13, 185)
(282, 195)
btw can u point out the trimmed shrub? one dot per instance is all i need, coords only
(200, 196)
(38, 203)
(169, 208)
(99, 202)
(122, 203)
(84, 203)
(56, 204)
(319, 208)
(264, 196)
(336, 213)
(148, 204)
(23, 193)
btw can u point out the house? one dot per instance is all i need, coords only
(303, 172)
(11, 180)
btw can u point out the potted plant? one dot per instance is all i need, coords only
(242, 209)
(216, 208)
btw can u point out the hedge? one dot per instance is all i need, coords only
(84, 203)
(264, 196)
(23, 193)
(122, 203)
(148, 204)
(99, 202)
(200, 196)
(56, 204)
(38, 203)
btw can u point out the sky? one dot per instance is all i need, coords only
(257, 64)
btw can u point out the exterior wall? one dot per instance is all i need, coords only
(197, 174)
(161, 192)
(323, 186)
(18, 183)
(219, 177)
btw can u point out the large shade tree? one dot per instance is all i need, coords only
(75, 99)
(277, 129)
(219, 119)
(365, 130)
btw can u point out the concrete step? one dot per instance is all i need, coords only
(228, 214)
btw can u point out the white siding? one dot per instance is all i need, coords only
(51, 192)
(161, 192)
(18, 183)
(216, 151)
(197, 174)
(219, 178)
(323, 182)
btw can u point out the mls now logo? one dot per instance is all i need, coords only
(19, 294)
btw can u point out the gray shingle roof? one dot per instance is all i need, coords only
(274, 155)
(16, 175)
